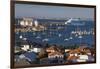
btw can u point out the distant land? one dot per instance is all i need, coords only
(56, 18)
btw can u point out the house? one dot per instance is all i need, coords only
(85, 49)
(80, 54)
(74, 52)
(55, 55)
(29, 56)
(21, 62)
(52, 49)
(88, 52)
(73, 55)
(17, 49)
(82, 58)
(36, 49)
(67, 50)
(25, 45)
(54, 52)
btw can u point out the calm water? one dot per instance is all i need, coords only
(63, 36)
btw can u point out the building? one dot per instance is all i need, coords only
(29, 56)
(80, 54)
(85, 49)
(52, 49)
(55, 55)
(26, 22)
(67, 50)
(37, 26)
(17, 49)
(36, 49)
(21, 62)
(73, 55)
(25, 46)
(82, 58)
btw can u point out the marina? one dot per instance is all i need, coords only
(58, 33)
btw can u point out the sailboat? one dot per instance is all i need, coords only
(76, 35)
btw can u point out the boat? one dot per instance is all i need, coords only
(38, 37)
(66, 39)
(80, 36)
(59, 35)
(24, 38)
(20, 36)
(76, 35)
(46, 39)
(71, 38)
(69, 21)
(74, 21)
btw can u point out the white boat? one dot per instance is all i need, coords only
(46, 39)
(71, 38)
(69, 21)
(66, 39)
(38, 37)
(20, 36)
(80, 36)
(24, 38)
(73, 32)
(59, 35)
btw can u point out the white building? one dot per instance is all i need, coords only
(25, 47)
(26, 22)
(36, 49)
(82, 58)
(36, 23)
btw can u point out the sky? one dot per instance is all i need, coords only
(38, 11)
